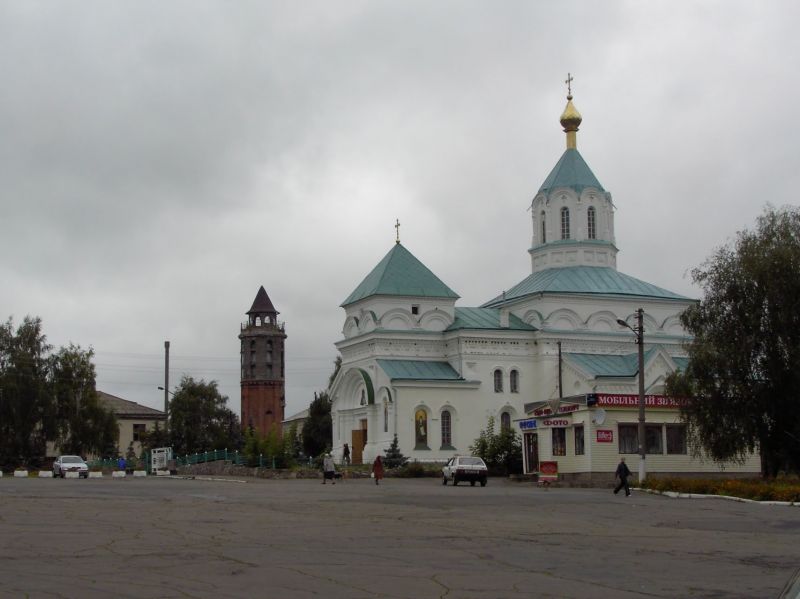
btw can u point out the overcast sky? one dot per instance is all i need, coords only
(161, 160)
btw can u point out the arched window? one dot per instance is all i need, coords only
(421, 430)
(544, 228)
(505, 421)
(565, 223)
(447, 430)
(514, 381)
(498, 381)
(363, 398)
(591, 222)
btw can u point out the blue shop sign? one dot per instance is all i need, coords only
(528, 424)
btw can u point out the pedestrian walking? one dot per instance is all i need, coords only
(121, 463)
(346, 455)
(377, 469)
(328, 469)
(622, 473)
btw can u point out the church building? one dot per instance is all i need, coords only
(548, 356)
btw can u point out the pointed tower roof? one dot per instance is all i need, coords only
(262, 303)
(571, 170)
(400, 273)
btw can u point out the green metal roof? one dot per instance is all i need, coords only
(602, 280)
(571, 171)
(486, 318)
(400, 273)
(600, 365)
(681, 363)
(419, 370)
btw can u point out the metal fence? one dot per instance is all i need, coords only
(235, 457)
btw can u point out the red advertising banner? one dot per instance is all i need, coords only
(548, 471)
(565, 409)
(605, 400)
(605, 436)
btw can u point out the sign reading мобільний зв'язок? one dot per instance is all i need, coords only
(632, 401)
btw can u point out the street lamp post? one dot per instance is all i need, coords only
(638, 331)
(166, 405)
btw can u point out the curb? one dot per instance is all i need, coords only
(677, 495)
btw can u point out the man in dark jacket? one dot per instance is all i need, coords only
(622, 473)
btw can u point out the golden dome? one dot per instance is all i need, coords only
(570, 118)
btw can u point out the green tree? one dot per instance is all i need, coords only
(394, 457)
(199, 419)
(83, 425)
(317, 429)
(501, 451)
(47, 396)
(740, 385)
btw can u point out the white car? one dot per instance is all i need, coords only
(70, 463)
(461, 468)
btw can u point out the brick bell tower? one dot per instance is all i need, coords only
(263, 375)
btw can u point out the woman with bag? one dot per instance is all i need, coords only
(377, 469)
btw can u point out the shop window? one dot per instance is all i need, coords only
(628, 438)
(676, 439)
(579, 448)
(514, 381)
(559, 441)
(653, 439)
(498, 381)
(505, 421)
(139, 431)
(447, 430)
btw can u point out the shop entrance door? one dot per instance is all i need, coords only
(531, 444)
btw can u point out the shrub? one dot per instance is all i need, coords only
(759, 490)
(417, 470)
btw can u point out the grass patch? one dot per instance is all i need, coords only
(785, 489)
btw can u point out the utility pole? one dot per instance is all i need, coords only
(642, 440)
(166, 384)
(638, 331)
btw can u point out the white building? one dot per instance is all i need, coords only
(416, 365)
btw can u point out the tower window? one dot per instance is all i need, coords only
(544, 228)
(415, 309)
(591, 222)
(565, 223)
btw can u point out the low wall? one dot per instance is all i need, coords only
(222, 468)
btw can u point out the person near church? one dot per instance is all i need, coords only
(328, 469)
(623, 472)
(377, 469)
(346, 455)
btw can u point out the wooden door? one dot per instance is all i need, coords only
(357, 446)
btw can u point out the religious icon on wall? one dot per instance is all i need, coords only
(421, 428)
